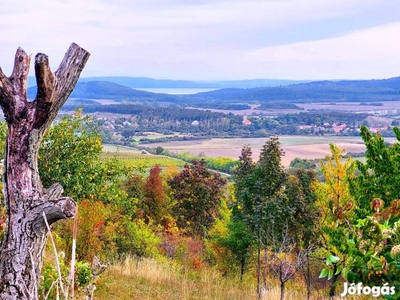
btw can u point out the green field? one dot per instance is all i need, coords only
(135, 158)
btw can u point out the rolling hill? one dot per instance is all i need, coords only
(317, 91)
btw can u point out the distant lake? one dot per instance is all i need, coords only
(175, 91)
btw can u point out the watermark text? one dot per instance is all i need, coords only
(360, 289)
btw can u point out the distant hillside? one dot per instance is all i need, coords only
(321, 91)
(235, 98)
(143, 82)
(109, 90)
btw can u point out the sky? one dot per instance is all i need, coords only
(210, 39)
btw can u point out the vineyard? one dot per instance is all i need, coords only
(142, 161)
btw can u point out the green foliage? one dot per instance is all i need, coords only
(70, 155)
(48, 279)
(197, 192)
(359, 227)
(238, 242)
(380, 174)
(330, 260)
(228, 248)
(273, 209)
(303, 210)
(373, 235)
(223, 164)
(301, 163)
(83, 273)
(243, 206)
(258, 189)
(138, 239)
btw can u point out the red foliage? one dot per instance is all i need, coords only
(154, 204)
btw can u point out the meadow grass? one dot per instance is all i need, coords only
(150, 279)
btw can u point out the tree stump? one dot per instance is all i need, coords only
(25, 198)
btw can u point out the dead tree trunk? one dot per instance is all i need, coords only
(25, 198)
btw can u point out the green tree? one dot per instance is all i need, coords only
(243, 206)
(303, 219)
(374, 234)
(238, 241)
(197, 192)
(70, 155)
(380, 174)
(259, 196)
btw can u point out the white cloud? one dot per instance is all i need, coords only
(369, 53)
(205, 39)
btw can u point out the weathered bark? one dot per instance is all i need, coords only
(25, 198)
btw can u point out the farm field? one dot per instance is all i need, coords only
(307, 147)
(135, 158)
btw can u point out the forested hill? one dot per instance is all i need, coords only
(317, 91)
(321, 91)
(144, 82)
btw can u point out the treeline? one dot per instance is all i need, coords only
(161, 113)
(319, 118)
(222, 105)
(279, 105)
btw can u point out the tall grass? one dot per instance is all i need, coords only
(151, 279)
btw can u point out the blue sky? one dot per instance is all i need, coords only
(211, 40)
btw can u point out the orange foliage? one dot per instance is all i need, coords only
(92, 229)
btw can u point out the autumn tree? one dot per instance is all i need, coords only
(337, 211)
(155, 204)
(27, 202)
(197, 192)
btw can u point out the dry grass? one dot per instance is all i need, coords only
(150, 279)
